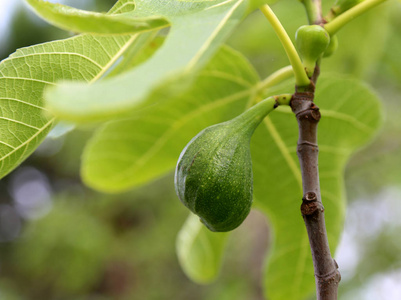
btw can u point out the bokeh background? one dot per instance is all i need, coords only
(62, 240)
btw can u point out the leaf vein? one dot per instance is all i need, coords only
(18, 122)
(28, 140)
(29, 79)
(55, 53)
(23, 102)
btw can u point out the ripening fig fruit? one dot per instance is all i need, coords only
(213, 177)
(332, 47)
(312, 41)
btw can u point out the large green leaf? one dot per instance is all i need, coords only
(198, 28)
(25, 74)
(77, 20)
(130, 152)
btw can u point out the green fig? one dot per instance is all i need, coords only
(312, 41)
(213, 177)
(332, 47)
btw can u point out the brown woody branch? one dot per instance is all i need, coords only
(327, 276)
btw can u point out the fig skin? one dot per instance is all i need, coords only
(312, 41)
(214, 171)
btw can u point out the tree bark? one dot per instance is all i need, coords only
(327, 276)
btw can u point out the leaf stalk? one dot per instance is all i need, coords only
(313, 10)
(346, 17)
(301, 79)
(275, 78)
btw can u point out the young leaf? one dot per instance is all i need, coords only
(200, 251)
(25, 74)
(130, 152)
(77, 20)
(198, 29)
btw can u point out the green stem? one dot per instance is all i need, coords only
(301, 79)
(260, 110)
(313, 10)
(283, 99)
(350, 14)
(275, 78)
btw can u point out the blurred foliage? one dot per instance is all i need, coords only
(102, 247)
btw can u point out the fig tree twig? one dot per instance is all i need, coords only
(327, 276)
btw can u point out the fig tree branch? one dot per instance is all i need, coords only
(327, 276)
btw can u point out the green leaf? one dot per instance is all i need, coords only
(25, 74)
(351, 114)
(200, 251)
(130, 152)
(198, 29)
(77, 20)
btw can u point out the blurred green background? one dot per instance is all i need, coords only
(61, 240)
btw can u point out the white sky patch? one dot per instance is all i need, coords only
(366, 219)
(7, 8)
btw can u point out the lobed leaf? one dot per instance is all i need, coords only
(198, 29)
(76, 20)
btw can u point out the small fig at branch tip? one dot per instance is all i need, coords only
(312, 41)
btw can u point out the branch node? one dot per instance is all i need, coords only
(329, 278)
(315, 114)
(309, 208)
(310, 196)
(307, 144)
